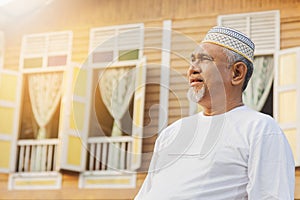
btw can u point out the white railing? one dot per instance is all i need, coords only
(109, 153)
(37, 155)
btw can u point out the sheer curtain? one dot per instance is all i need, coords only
(117, 87)
(260, 83)
(45, 94)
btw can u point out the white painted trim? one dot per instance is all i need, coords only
(165, 75)
(141, 49)
(297, 162)
(43, 70)
(114, 64)
(86, 127)
(107, 175)
(104, 139)
(38, 142)
(69, 55)
(45, 176)
(2, 49)
(275, 86)
(288, 126)
(7, 104)
(247, 14)
(5, 137)
(65, 115)
(9, 72)
(286, 88)
(45, 52)
(17, 120)
(277, 29)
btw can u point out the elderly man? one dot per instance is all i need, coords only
(228, 151)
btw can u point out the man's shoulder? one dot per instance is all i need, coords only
(256, 120)
(250, 115)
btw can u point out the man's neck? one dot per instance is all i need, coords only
(211, 110)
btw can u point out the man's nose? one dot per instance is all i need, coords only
(193, 69)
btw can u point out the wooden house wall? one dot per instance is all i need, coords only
(190, 20)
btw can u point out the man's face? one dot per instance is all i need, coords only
(209, 73)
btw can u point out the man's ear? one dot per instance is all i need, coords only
(239, 70)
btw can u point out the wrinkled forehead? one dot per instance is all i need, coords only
(212, 50)
(200, 49)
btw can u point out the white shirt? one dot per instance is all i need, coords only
(241, 154)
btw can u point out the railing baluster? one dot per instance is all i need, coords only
(122, 156)
(44, 158)
(38, 157)
(92, 156)
(49, 158)
(128, 157)
(27, 157)
(55, 149)
(21, 159)
(32, 158)
(98, 155)
(104, 156)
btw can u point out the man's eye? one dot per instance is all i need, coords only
(193, 59)
(205, 58)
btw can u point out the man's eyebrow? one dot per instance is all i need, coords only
(203, 54)
(199, 55)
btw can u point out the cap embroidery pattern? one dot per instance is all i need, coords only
(231, 39)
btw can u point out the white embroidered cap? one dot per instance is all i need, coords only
(231, 39)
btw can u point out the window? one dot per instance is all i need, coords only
(42, 69)
(262, 27)
(264, 30)
(46, 50)
(116, 44)
(115, 52)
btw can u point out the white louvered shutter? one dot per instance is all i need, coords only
(34, 45)
(262, 27)
(116, 43)
(59, 42)
(46, 50)
(129, 38)
(103, 39)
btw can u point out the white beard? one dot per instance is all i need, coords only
(195, 96)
